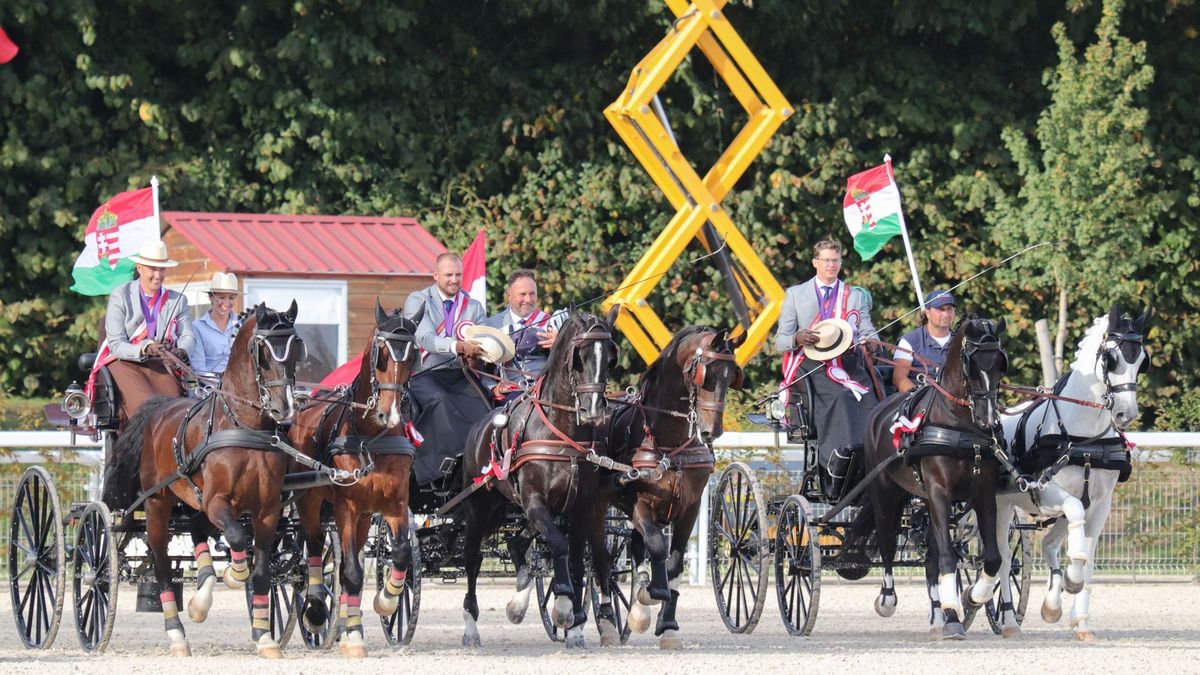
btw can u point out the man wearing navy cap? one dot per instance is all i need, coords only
(930, 341)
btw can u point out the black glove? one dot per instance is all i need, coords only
(179, 353)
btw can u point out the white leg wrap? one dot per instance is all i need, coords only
(1077, 544)
(984, 586)
(948, 591)
(470, 630)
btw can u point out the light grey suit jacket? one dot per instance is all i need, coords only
(800, 307)
(533, 360)
(439, 349)
(125, 316)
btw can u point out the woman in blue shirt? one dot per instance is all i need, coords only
(215, 330)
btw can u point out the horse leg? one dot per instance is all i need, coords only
(981, 591)
(388, 597)
(667, 628)
(1082, 605)
(578, 536)
(354, 528)
(656, 548)
(480, 512)
(1071, 507)
(1005, 511)
(220, 512)
(606, 621)
(1051, 543)
(937, 620)
(260, 612)
(890, 501)
(158, 518)
(518, 549)
(315, 614)
(206, 577)
(938, 504)
(542, 519)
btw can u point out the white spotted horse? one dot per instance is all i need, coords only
(952, 455)
(665, 432)
(1073, 447)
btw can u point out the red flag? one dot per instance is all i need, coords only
(343, 374)
(8, 49)
(474, 279)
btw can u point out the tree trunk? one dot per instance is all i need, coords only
(1046, 352)
(1060, 337)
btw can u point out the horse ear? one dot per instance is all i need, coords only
(291, 313)
(1114, 316)
(380, 315)
(1143, 321)
(1001, 325)
(260, 312)
(416, 318)
(612, 315)
(735, 342)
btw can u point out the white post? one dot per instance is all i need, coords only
(912, 265)
(154, 192)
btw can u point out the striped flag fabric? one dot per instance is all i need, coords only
(116, 231)
(8, 48)
(474, 279)
(872, 209)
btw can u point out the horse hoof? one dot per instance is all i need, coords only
(353, 646)
(953, 631)
(268, 648)
(1011, 632)
(576, 641)
(230, 581)
(1085, 636)
(1051, 614)
(516, 611)
(563, 613)
(639, 618)
(181, 649)
(201, 602)
(968, 604)
(935, 633)
(471, 641)
(670, 640)
(1070, 586)
(882, 608)
(384, 605)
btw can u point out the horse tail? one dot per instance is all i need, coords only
(123, 475)
(862, 527)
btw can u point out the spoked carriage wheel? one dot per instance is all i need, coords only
(330, 594)
(402, 624)
(738, 548)
(543, 572)
(37, 559)
(969, 548)
(96, 577)
(617, 534)
(797, 566)
(1018, 578)
(286, 567)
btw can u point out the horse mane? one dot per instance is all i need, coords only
(669, 353)
(1089, 346)
(954, 354)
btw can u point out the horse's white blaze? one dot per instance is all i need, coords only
(393, 418)
(599, 358)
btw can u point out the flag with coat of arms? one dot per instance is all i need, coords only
(115, 232)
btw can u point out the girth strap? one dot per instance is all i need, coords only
(376, 445)
(226, 438)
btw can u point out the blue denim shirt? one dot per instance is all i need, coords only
(211, 353)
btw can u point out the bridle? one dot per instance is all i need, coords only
(986, 354)
(594, 334)
(263, 338)
(400, 348)
(1111, 351)
(696, 375)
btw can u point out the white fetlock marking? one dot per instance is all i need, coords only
(948, 591)
(519, 603)
(267, 646)
(470, 628)
(575, 637)
(983, 588)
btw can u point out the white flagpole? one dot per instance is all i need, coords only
(154, 192)
(912, 265)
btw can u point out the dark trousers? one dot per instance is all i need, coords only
(140, 382)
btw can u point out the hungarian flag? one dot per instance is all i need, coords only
(474, 278)
(8, 49)
(116, 231)
(872, 209)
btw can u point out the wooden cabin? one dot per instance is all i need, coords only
(333, 266)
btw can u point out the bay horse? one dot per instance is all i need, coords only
(537, 453)
(218, 457)
(666, 432)
(361, 431)
(1075, 449)
(951, 457)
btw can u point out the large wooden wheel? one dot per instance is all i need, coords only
(402, 624)
(738, 548)
(287, 566)
(797, 566)
(95, 564)
(37, 559)
(330, 593)
(1019, 575)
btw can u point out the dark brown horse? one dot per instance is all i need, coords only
(550, 433)
(667, 435)
(361, 431)
(951, 458)
(218, 457)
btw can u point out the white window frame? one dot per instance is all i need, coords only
(289, 286)
(196, 294)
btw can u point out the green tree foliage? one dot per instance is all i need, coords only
(467, 113)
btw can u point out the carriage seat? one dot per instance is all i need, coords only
(104, 395)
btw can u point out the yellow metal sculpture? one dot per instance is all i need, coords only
(697, 200)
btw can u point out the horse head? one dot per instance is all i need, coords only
(1119, 360)
(982, 363)
(388, 363)
(710, 370)
(582, 355)
(274, 349)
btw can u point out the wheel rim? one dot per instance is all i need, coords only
(617, 540)
(95, 578)
(36, 559)
(331, 557)
(286, 567)
(1018, 580)
(968, 548)
(400, 626)
(737, 550)
(797, 568)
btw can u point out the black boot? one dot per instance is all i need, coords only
(838, 467)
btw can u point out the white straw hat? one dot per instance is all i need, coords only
(497, 346)
(153, 254)
(834, 337)
(224, 282)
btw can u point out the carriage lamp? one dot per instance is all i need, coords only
(76, 404)
(776, 410)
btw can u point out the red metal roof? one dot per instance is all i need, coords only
(334, 245)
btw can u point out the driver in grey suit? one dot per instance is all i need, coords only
(840, 415)
(533, 332)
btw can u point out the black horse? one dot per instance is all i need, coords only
(951, 458)
(665, 432)
(535, 454)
